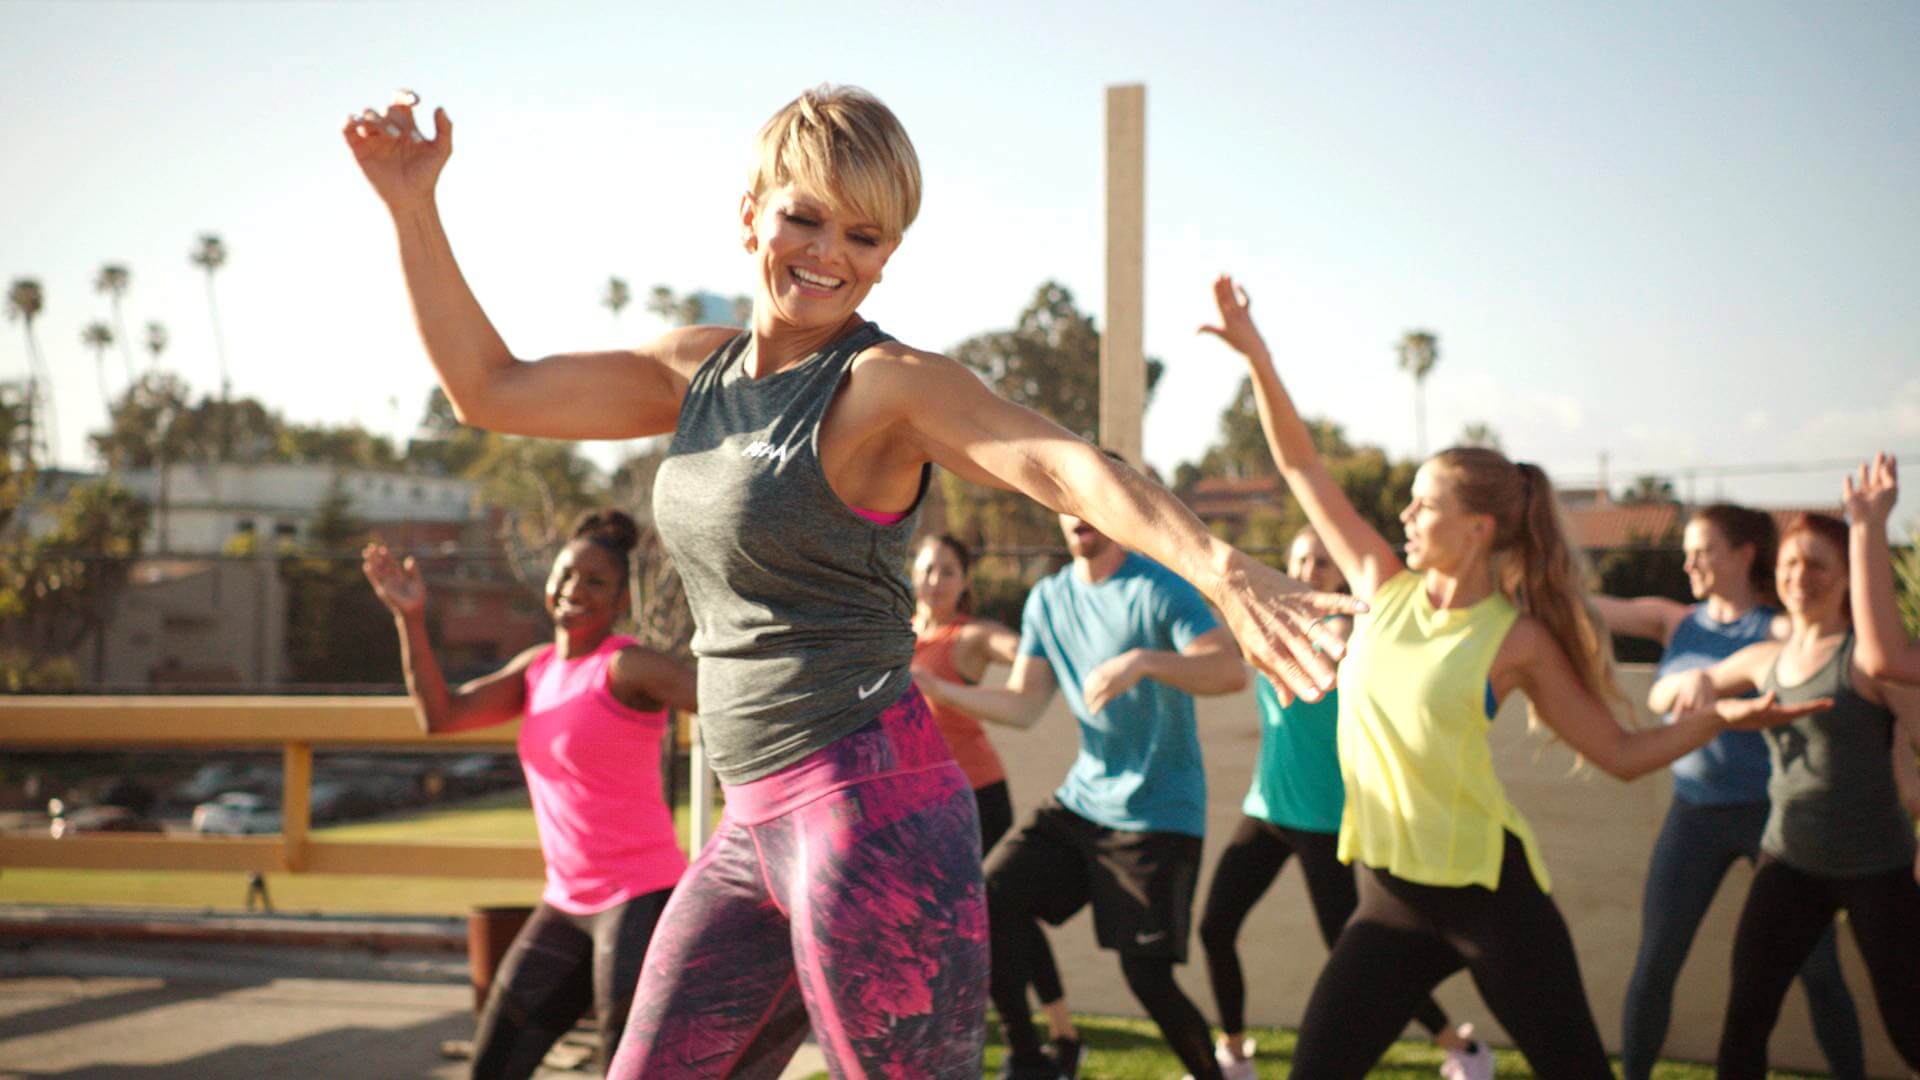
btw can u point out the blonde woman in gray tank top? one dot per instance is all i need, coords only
(1840, 835)
(801, 449)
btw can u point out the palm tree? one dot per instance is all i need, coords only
(24, 301)
(1649, 488)
(210, 256)
(1480, 433)
(677, 310)
(97, 336)
(113, 280)
(156, 341)
(1419, 352)
(618, 297)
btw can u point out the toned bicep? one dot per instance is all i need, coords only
(996, 643)
(618, 394)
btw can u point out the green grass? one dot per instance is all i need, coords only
(1121, 1049)
(499, 819)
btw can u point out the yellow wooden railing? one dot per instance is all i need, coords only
(296, 725)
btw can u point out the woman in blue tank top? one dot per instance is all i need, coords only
(1719, 806)
(1837, 836)
(844, 891)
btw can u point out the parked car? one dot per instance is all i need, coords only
(237, 813)
(68, 821)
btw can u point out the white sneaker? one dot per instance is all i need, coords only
(1474, 1062)
(1235, 1067)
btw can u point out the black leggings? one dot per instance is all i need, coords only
(558, 966)
(1248, 866)
(996, 817)
(1405, 938)
(1786, 913)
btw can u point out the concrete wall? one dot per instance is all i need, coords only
(1598, 835)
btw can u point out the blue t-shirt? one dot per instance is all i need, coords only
(1139, 767)
(1733, 768)
(1297, 784)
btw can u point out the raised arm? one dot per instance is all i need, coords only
(1363, 554)
(986, 439)
(1029, 688)
(1533, 662)
(603, 395)
(1883, 649)
(648, 679)
(1650, 617)
(491, 699)
(983, 642)
(1210, 664)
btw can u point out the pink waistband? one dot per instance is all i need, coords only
(901, 741)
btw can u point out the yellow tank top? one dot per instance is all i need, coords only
(1423, 803)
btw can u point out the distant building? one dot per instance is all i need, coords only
(207, 506)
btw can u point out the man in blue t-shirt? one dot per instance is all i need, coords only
(1130, 643)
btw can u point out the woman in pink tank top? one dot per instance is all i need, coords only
(595, 706)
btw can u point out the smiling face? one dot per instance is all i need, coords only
(1811, 576)
(1441, 533)
(1713, 565)
(1309, 561)
(938, 578)
(816, 260)
(585, 590)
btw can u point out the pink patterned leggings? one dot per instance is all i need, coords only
(843, 893)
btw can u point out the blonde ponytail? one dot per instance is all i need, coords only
(1534, 564)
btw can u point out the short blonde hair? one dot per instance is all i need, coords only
(841, 144)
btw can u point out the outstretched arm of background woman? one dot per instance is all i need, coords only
(1882, 650)
(492, 699)
(987, 439)
(1363, 555)
(602, 395)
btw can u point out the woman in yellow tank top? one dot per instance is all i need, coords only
(1487, 602)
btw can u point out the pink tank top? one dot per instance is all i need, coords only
(593, 770)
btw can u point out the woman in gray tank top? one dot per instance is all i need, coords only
(1838, 836)
(801, 449)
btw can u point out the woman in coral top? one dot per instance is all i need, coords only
(953, 644)
(595, 710)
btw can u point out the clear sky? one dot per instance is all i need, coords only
(1680, 234)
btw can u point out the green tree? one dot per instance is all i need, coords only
(98, 336)
(210, 254)
(676, 310)
(337, 629)
(617, 297)
(58, 587)
(112, 281)
(1049, 361)
(156, 342)
(1419, 353)
(25, 300)
(1649, 488)
(1480, 433)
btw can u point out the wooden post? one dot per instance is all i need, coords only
(296, 804)
(1123, 365)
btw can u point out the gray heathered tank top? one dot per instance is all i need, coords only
(802, 609)
(1836, 810)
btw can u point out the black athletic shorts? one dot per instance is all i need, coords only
(1140, 884)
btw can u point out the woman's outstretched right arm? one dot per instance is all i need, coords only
(1363, 554)
(602, 395)
(491, 699)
